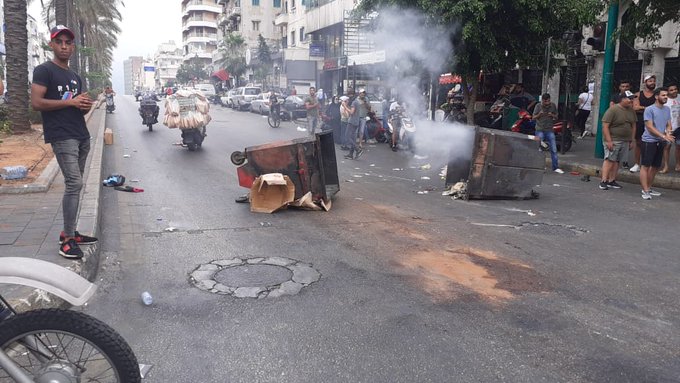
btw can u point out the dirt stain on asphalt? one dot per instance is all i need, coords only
(447, 274)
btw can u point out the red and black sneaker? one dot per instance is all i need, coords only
(70, 249)
(79, 238)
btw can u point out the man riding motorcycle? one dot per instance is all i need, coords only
(110, 105)
(149, 102)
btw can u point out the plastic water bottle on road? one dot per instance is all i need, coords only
(147, 298)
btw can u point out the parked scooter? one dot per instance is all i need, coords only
(57, 345)
(526, 125)
(148, 109)
(110, 106)
(405, 129)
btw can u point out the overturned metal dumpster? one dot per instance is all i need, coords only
(503, 165)
(309, 162)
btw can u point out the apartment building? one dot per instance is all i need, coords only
(250, 19)
(199, 30)
(298, 68)
(132, 73)
(167, 59)
(36, 40)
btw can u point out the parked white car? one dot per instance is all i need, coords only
(259, 105)
(244, 95)
(228, 99)
(208, 90)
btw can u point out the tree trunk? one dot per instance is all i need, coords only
(61, 12)
(16, 40)
(76, 61)
(470, 96)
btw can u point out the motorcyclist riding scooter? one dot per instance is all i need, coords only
(401, 128)
(110, 105)
(148, 109)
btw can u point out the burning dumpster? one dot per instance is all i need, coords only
(502, 165)
(309, 162)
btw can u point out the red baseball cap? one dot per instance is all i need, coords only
(54, 32)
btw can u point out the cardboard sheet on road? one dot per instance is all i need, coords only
(271, 192)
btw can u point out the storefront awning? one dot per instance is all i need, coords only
(222, 74)
(449, 78)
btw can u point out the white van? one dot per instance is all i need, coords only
(208, 90)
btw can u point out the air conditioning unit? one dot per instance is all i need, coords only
(668, 32)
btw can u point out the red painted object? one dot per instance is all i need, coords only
(309, 162)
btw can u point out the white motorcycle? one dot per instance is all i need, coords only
(55, 345)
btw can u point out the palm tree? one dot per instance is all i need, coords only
(233, 59)
(61, 11)
(16, 41)
(95, 23)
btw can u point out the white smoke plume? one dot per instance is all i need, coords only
(413, 49)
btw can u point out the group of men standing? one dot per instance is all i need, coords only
(647, 122)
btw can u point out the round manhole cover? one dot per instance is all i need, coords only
(254, 277)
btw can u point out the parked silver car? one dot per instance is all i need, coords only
(259, 105)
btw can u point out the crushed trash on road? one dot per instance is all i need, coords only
(457, 191)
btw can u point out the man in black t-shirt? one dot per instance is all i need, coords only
(59, 94)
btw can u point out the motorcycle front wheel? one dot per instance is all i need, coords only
(66, 346)
(150, 127)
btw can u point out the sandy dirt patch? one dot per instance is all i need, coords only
(28, 150)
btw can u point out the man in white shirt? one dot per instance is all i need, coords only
(674, 104)
(584, 105)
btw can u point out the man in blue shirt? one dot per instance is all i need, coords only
(658, 133)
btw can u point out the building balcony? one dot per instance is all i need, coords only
(208, 38)
(234, 12)
(200, 55)
(324, 14)
(222, 20)
(281, 19)
(199, 6)
(199, 23)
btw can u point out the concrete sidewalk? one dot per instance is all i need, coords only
(31, 219)
(581, 159)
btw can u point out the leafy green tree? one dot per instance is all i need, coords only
(647, 16)
(264, 58)
(497, 35)
(95, 23)
(190, 71)
(232, 49)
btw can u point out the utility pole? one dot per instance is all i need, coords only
(607, 74)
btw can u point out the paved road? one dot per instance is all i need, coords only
(577, 286)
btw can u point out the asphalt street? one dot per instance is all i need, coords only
(579, 285)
